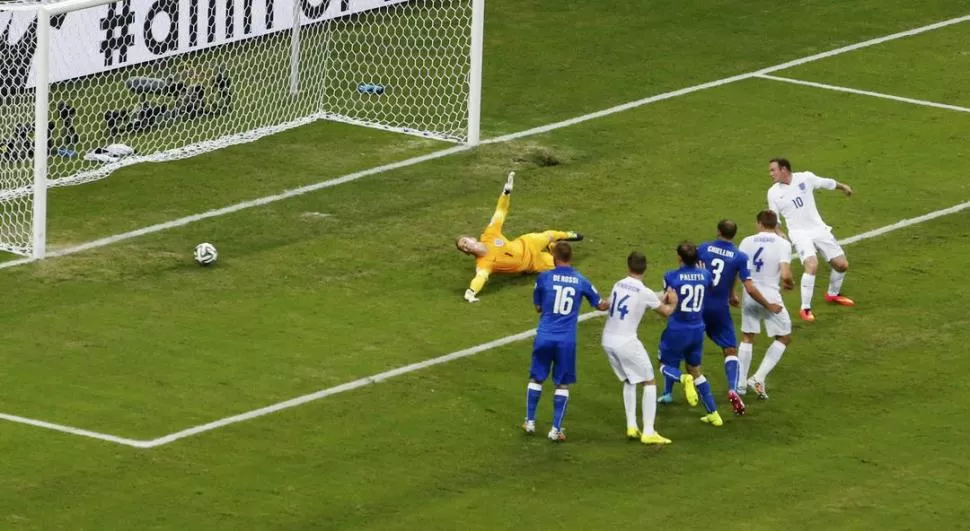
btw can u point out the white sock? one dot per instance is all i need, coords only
(744, 363)
(630, 404)
(649, 408)
(835, 282)
(772, 357)
(808, 288)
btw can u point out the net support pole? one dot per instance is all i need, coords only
(41, 117)
(295, 50)
(475, 72)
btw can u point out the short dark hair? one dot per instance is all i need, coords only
(636, 262)
(727, 228)
(781, 162)
(687, 252)
(562, 252)
(768, 219)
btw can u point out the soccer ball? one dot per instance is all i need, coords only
(205, 253)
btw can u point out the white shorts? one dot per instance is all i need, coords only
(752, 313)
(630, 361)
(806, 242)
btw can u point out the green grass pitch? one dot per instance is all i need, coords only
(865, 426)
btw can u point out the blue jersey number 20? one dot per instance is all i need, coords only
(692, 298)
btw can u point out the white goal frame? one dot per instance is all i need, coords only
(41, 182)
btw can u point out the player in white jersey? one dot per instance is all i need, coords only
(630, 361)
(769, 259)
(792, 197)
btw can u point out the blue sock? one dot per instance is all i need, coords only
(669, 385)
(559, 407)
(534, 391)
(671, 376)
(704, 389)
(731, 367)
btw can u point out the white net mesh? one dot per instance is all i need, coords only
(16, 137)
(174, 78)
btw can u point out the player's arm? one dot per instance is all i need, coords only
(537, 295)
(502, 208)
(774, 207)
(744, 273)
(481, 276)
(787, 280)
(756, 294)
(844, 188)
(593, 297)
(666, 308)
(669, 297)
(830, 184)
(651, 300)
(733, 299)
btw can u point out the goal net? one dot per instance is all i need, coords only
(88, 86)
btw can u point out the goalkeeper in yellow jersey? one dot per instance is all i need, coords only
(494, 253)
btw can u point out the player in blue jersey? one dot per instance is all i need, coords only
(558, 295)
(683, 339)
(726, 264)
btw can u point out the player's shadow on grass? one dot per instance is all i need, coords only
(498, 283)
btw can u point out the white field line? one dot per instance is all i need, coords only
(837, 88)
(458, 149)
(475, 350)
(368, 380)
(75, 431)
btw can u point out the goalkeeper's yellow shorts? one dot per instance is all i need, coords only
(536, 245)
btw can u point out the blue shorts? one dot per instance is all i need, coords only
(682, 345)
(557, 356)
(720, 327)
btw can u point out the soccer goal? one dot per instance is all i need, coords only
(89, 86)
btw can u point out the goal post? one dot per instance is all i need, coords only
(95, 85)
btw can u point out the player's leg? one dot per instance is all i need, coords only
(563, 375)
(553, 236)
(777, 325)
(538, 372)
(720, 328)
(751, 315)
(745, 351)
(672, 348)
(668, 395)
(694, 355)
(835, 256)
(639, 370)
(536, 243)
(669, 376)
(629, 390)
(805, 247)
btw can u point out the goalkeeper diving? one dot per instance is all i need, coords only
(494, 253)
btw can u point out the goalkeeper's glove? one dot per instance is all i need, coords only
(470, 295)
(508, 184)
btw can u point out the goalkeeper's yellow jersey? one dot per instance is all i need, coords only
(521, 255)
(504, 256)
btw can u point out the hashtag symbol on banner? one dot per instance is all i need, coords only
(116, 26)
